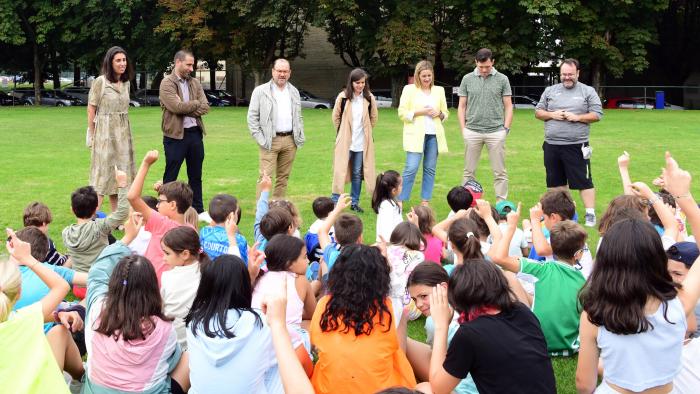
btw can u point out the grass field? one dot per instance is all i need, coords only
(43, 157)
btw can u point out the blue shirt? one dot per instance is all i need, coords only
(214, 241)
(34, 289)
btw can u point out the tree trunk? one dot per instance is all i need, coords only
(38, 78)
(212, 74)
(142, 80)
(156, 79)
(257, 77)
(55, 71)
(398, 81)
(230, 77)
(596, 71)
(76, 75)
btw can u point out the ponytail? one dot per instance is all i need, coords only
(464, 236)
(386, 182)
(10, 284)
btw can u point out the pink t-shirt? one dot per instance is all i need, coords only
(158, 225)
(433, 248)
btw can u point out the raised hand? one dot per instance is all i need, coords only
(536, 213)
(513, 217)
(265, 182)
(483, 208)
(623, 161)
(231, 224)
(151, 157)
(676, 180)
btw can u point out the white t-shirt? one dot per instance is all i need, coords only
(140, 243)
(283, 108)
(427, 101)
(178, 289)
(517, 243)
(358, 133)
(388, 218)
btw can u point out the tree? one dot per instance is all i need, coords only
(384, 36)
(610, 36)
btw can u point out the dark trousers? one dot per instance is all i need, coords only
(191, 150)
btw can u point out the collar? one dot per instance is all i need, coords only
(478, 74)
(181, 80)
(273, 86)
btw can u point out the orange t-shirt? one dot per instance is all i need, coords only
(364, 364)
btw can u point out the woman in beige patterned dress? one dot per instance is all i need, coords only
(109, 133)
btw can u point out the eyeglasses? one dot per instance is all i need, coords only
(160, 201)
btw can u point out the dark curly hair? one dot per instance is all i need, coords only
(358, 286)
(630, 268)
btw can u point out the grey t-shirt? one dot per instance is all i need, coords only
(581, 99)
(485, 111)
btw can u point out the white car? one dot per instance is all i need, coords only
(383, 101)
(524, 102)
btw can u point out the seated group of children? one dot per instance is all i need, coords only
(174, 308)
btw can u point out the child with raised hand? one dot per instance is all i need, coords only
(558, 282)
(348, 231)
(322, 207)
(496, 334)
(230, 347)
(420, 286)
(636, 324)
(286, 265)
(86, 238)
(183, 253)
(664, 212)
(27, 363)
(132, 345)
(385, 205)
(353, 331)
(39, 215)
(434, 247)
(222, 236)
(174, 198)
(403, 254)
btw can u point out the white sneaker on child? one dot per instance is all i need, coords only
(590, 219)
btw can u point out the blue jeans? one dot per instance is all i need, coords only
(355, 178)
(429, 156)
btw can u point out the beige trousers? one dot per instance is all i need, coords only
(278, 162)
(496, 146)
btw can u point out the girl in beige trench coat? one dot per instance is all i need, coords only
(354, 116)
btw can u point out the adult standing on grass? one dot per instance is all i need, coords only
(422, 108)
(485, 113)
(354, 116)
(567, 109)
(109, 131)
(183, 102)
(276, 124)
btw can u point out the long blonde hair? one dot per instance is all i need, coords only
(10, 285)
(420, 67)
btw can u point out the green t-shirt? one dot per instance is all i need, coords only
(556, 303)
(485, 111)
(27, 364)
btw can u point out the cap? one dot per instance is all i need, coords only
(685, 252)
(501, 205)
(475, 189)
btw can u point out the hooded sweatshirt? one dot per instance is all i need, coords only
(85, 241)
(118, 366)
(243, 364)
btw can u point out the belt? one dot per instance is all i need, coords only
(283, 133)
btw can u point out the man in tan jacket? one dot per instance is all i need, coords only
(183, 103)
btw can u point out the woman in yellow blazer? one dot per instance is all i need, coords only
(354, 116)
(422, 109)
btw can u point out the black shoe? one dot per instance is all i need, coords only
(357, 208)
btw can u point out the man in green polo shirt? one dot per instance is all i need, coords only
(485, 113)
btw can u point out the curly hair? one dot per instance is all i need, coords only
(358, 286)
(630, 269)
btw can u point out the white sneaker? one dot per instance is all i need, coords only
(590, 219)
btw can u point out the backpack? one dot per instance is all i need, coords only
(342, 109)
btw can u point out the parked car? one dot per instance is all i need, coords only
(78, 91)
(626, 103)
(6, 99)
(148, 96)
(524, 102)
(383, 101)
(652, 101)
(55, 98)
(224, 95)
(216, 101)
(309, 100)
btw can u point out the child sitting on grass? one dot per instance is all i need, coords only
(174, 198)
(39, 215)
(86, 238)
(223, 209)
(322, 206)
(348, 231)
(558, 282)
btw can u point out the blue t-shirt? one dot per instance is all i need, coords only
(34, 289)
(214, 241)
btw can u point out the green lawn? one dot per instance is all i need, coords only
(43, 158)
